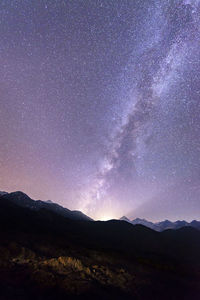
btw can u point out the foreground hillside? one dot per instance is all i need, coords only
(44, 255)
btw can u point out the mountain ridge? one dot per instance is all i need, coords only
(45, 253)
(23, 200)
(163, 225)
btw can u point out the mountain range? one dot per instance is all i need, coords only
(163, 225)
(24, 200)
(49, 252)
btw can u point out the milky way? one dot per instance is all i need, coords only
(100, 105)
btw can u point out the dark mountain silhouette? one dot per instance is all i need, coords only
(24, 200)
(163, 225)
(46, 255)
(3, 193)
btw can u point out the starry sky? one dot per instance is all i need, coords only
(100, 105)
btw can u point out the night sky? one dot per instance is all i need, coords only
(100, 105)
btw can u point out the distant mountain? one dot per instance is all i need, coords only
(143, 222)
(138, 221)
(24, 200)
(195, 224)
(44, 255)
(163, 225)
(166, 224)
(125, 219)
(181, 223)
(3, 193)
(49, 201)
